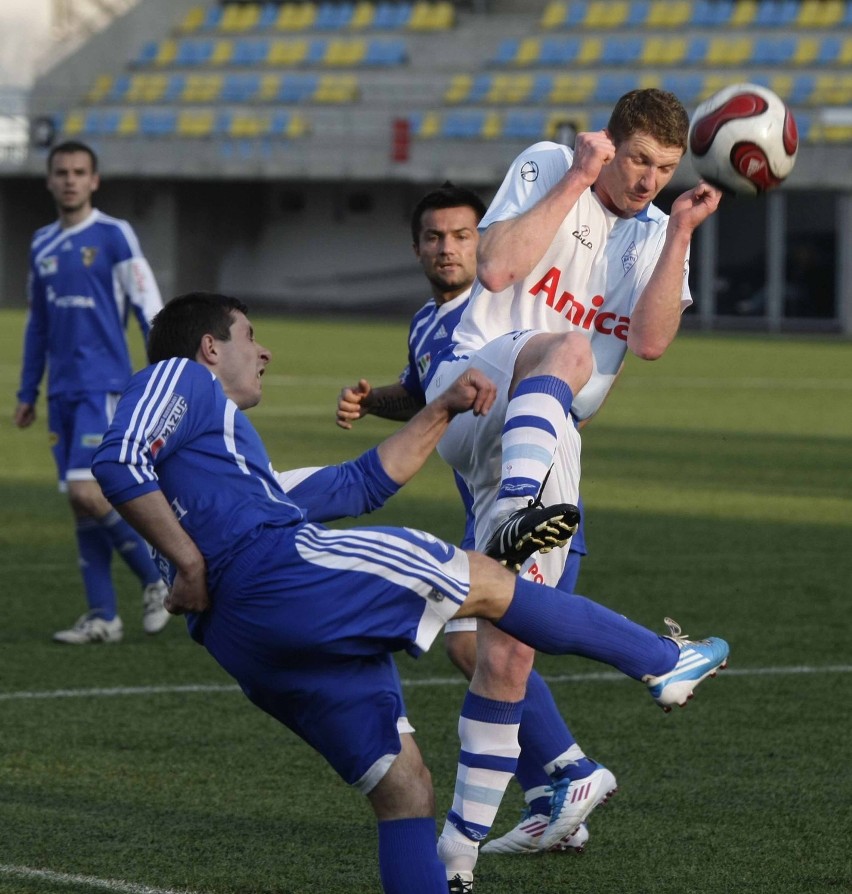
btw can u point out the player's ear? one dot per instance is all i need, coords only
(96, 181)
(208, 350)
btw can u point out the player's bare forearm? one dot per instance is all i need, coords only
(153, 518)
(387, 401)
(404, 452)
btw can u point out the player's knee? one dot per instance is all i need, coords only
(461, 650)
(572, 355)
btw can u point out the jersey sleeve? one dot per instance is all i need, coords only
(136, 278)
(151, 421)
(344, 491)
(530, 177)
(35, 339)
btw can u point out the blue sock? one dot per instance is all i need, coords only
(535, 418)
(543, 735)
(131, 547)
(408, 859)
(561, 623)
(94, 550)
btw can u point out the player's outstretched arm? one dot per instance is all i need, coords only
(386, 401)
(405, 451)
(151, 515)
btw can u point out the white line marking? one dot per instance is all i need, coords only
(105, 884)
(594, 677)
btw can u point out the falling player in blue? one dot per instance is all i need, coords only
(445, 236)
(305, 618)
(86, 274)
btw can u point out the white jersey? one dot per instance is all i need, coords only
(588, 280)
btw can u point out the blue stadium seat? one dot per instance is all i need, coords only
(712, 12)
(192, 52)
(333, 16)
(386, 52)
(541, 89)
(829, 49)
(463, 125)
(773, 50)
(268, 16)
(479, 88)
(687, 87)
(524, 125)
(158, 123)
(175, 87)
(148, 53)
(119, 89)
(297, 88)
(638, 13)
(248, 51)
(621, 50)
(612, 87)
(213, 17)
(558, 51)
(776, 13)
(507, 51)
(803, 87)
(391, 16)
(696, 51)
(240, 87)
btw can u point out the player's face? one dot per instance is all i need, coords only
(242, 362)
(447, 249)
(71, 181)
(642, 167)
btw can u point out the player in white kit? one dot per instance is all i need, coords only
(576, 265)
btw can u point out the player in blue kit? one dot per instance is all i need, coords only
(306, 618)
(87, 273)
(445, 236)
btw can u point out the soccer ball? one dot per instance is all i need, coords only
(744, 139)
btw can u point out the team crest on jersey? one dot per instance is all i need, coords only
(48, 266)
(630, 257)
(167, 424)
(89, 253)
(423, 364)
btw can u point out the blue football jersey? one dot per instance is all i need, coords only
(430, 333)
(175, 430)
(83, 282)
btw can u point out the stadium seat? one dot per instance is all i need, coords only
(158, 123)
(239, 17)
(296, 16)
(344, 52)
(526, 126)
(463, 125)
(664, 51)
(776, 13)
(333, 16)
(606, 14)
(201, 88)
(569, 89)
(391, 16)
(621, 50)
(335, 89)
(685, 85)
(558, 51)
(362, 16)
(637, 15)
(239, 87)
(773, 50)
(287, 53)
(724, 51)
(386, 52)
(712, 13)
(669, 14)
(193, 20)
(611, 87)
(195, 123)
(249, 51)
(554, 15)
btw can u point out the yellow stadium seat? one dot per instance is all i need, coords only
(306, 15)
(246, 124)
(668, 14)
(297, 126)
(590, 51)
(345, 52)
(832, 90)
(810, 13)
(807, 50)
(287, 53)
(580, 120)
(832, 12)
(74, 123)
(782, 84)
(597, 14)
(459, 88)
(336, 89)
(509, 89)
(166, 52)
(443, 15)
(193, 20)
(202, 88)
(101, 87)
(492, 126)
(568, 89)
(288, 17)
(844, 57)
(222, 52)
(195, 123)
(431, 125)
(729, 51)
(362, 15)
(269, 86)
(129, 124)
(239, 17)
(554, 15)
(744, 13)
(147, 88)
(616, 14)
(664, 50)
(528, 51)
(650, 82)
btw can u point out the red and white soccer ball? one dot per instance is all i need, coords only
(744, 139)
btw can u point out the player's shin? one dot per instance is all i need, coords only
(559, 623)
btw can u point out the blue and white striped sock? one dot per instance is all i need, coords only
(535, 418)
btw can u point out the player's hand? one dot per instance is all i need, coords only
(351, 403)
(188, 594)
(472, 390)
(695, 206)
(25, 415)
(592, 151)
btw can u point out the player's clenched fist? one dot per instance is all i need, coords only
(472, 390)
(351, 403)
(591, 152)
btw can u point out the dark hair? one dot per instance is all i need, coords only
(178, 328)
(448, 195)
(67, 148)
(655, 112)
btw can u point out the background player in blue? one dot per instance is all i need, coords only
(445, 236)
(86, 273)
(306, 618)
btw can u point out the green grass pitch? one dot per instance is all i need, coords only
(718, 487)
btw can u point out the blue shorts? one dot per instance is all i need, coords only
(77, 424)
(306, 620)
